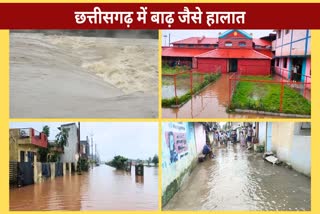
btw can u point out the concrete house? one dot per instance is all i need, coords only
(71, 152)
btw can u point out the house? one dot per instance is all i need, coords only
(85, 148)
(292, 47)
(24, 144)
(232, 51)
(291, 142)
(71, 149)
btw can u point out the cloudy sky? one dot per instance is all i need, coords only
(183, 34)
(132, 140)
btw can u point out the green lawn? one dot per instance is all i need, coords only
(266, 97)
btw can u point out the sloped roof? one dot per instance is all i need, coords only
(197, 40)
(183, 52)
(266, 52)
(234, 53)
(224, 34)
(261, 42)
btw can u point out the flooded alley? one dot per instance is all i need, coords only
(102, 188)
(238, 179)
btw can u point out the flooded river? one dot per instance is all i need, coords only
(82, 77)
(240, 180)
(102, 188)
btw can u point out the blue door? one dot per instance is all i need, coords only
(269, 137)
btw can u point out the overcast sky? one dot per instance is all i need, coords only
(132, 140)
(176, 35)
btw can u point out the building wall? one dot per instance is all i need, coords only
(71, 148)
(262, 135)
(254, 66)
(175, 170)
(235, 37)
(292, 145)
(200, 136)
(212, 65)
(17, 144)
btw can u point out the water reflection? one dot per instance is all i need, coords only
(102, 188)
(240, 180)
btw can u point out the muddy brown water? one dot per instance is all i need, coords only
(240, 180)
(102, 188)
(212, 102)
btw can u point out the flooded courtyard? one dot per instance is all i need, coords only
(237, 179)
(102, 188)
(212, 102)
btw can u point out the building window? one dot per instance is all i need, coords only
(285, 62)
(277, 62)
(228, 44)
(279, 34)
(242, 44)
(190, 45)
(207, 45)
(287, 31)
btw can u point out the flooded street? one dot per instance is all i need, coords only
(102, 188)
(240, 180)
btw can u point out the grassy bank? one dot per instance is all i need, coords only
(266, 97)
(208, 78)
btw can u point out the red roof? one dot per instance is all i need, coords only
(183, 52)
(266, 52)
(234, 53)
(197, 40)
(261, 42)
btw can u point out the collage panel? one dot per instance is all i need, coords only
(78, 166)
(84, 74)
(236, 73)
(236, 166)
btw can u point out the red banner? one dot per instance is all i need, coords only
(159, 15)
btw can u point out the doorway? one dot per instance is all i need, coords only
(233, 65)
(269, 137)
(299, 62)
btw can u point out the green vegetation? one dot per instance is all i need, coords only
(62, 137)
(43, 152)
(208, 78)
(155, 160)
(82, 165)
(266, 97)
(118, 162)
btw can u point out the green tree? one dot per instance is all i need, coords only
(62, 137)
(118, 162)
(155, 160)
(43, 152)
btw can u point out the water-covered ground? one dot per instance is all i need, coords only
(68, 76)
(102, 188)
(240, 180)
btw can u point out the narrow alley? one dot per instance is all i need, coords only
(238, 179)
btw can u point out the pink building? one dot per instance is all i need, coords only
(292, 47)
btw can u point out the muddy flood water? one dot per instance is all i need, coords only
(212, 102)
(102, 188)
(240, 180)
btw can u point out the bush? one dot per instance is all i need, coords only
(208, 78)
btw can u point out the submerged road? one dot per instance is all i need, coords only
(240, 180)
(102, 188)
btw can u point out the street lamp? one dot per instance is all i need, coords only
(165, 39)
